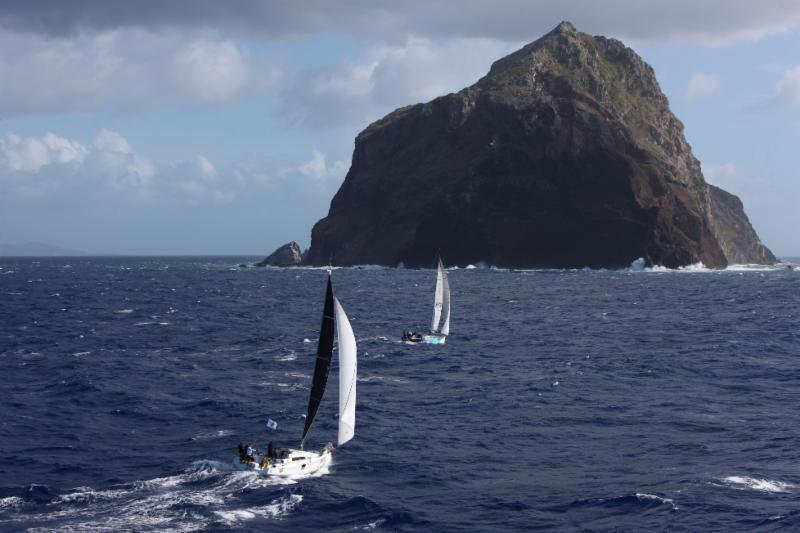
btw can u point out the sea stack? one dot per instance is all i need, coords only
(565, 155)
(287, 255)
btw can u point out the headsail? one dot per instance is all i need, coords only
(324, 353)
(347, 375)
(445, 304)
(437, 299)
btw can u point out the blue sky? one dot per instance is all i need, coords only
(189, 129)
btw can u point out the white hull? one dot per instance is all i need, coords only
(429, 339)
(433, 339)
(291, 462)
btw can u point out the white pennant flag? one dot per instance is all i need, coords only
(271, 424)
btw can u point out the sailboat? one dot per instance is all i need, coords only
(440, 325)
(291, 461)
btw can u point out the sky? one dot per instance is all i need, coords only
(198, 127)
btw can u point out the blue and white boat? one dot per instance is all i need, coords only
(440, 324)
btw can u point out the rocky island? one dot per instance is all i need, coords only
(564, 155)
(287, 255)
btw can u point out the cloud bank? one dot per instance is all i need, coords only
(109, 167)
(707, 22)
(126, 69)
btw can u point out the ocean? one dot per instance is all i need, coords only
(563, 400)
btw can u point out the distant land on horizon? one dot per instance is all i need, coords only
(37, 249)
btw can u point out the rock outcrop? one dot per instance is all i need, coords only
(733, 231)
(287, 255)
(565, 154)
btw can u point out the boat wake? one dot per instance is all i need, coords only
(208, 494)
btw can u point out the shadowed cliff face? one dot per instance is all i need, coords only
(565, 155)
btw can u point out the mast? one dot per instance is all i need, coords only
(347, 375)
(437, 300)
(323, 365)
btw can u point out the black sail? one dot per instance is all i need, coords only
(324, 354)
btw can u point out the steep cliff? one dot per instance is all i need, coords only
(564, 155)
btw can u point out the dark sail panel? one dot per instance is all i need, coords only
(324, 353)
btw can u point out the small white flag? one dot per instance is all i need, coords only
(271, 424)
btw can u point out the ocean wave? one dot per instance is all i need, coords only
(757, 484)
(636, 500)
(658, 499)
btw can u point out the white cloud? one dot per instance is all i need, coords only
(701, 85)
(211, 71)
(37, 165)
(111, 167)
(317, 168)
(30, 154)
(387, 77)
(113, 158)
(197, 180)
(123, 69)
(787, 92)
(206, 167)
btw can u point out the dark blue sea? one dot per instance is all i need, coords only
(563, 400)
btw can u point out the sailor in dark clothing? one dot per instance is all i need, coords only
(411, 336)
(271, 453)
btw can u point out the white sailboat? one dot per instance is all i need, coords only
(290, 461)
(440, 324)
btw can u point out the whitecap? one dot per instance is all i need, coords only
(756, 268)
(286, 357)
(124, 311)
(79, 354)
(638, 265)
(213, 435)
(656, 498)
(11, 502)
(758, 484)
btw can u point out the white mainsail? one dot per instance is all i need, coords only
(347, 375)
(437, 299)
(445, 305)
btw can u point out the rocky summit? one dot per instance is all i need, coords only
(564, 155)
